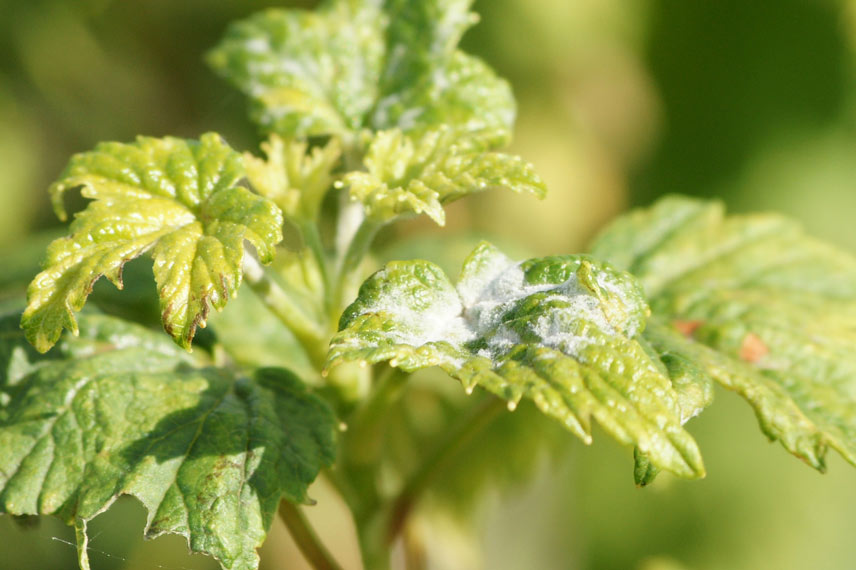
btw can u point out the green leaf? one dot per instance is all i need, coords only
(557, 330)
(757, 305)
(307, 73)
(178, 199)
(121, 410)
(354, 65)
(294, 179)
(421, 33)
(418, 175)
(463, 93)
(428, 82)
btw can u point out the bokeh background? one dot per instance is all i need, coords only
(620, 101)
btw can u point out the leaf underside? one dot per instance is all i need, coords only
(121, 410)
(756, 305)
(177, 199)
(560, 331)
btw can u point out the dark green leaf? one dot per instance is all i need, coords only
(121, 410)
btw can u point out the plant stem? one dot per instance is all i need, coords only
(82, 540)
(306, 330)
(362, 443)
(451, 443)
(353, 256)
(312, 240)
(305, 538)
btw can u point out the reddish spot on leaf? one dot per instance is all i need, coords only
(753, 349)
(687, 328)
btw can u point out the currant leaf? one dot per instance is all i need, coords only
(407, 175)
(560, 331)
(178, 199)
(306, 73)
(374, 65)
(293, 177)
(121, 410)
(755, 304)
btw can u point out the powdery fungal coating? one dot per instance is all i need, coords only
(560, 331)
(491, 304)
(509, 303)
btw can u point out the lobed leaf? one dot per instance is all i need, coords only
(352, 65)
(463, 93)
(561, 331)
(294, 179)
(407, 175)
(755, 304)
(178, 199)
(121, 410)
(306, 73)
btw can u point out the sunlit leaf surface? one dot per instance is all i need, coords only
(754, 303)
(560, 331)
(176, 198)
(413, 176)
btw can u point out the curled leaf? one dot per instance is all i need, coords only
(560, 331)
(296, 180)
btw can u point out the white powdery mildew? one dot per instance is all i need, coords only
(492, 284)
(472, 285)
(442, 321)
(490, 294)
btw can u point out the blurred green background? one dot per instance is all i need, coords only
(620, 101)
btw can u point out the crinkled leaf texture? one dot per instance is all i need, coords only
(755, 304)
(365, 64)
(296, 180)
(407, 175)
(561, 331)
(177, 198)
(122, 410)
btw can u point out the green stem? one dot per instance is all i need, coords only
(305, 538)
(312, 240)
(446, 450)
(307, 331)
(362, 443)
(357, 250)
(82, 539)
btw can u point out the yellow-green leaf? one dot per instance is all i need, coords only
(306, 73)
(373, 64)
(177, 198)
(296, 180)
(756, 304)
(415, 175)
